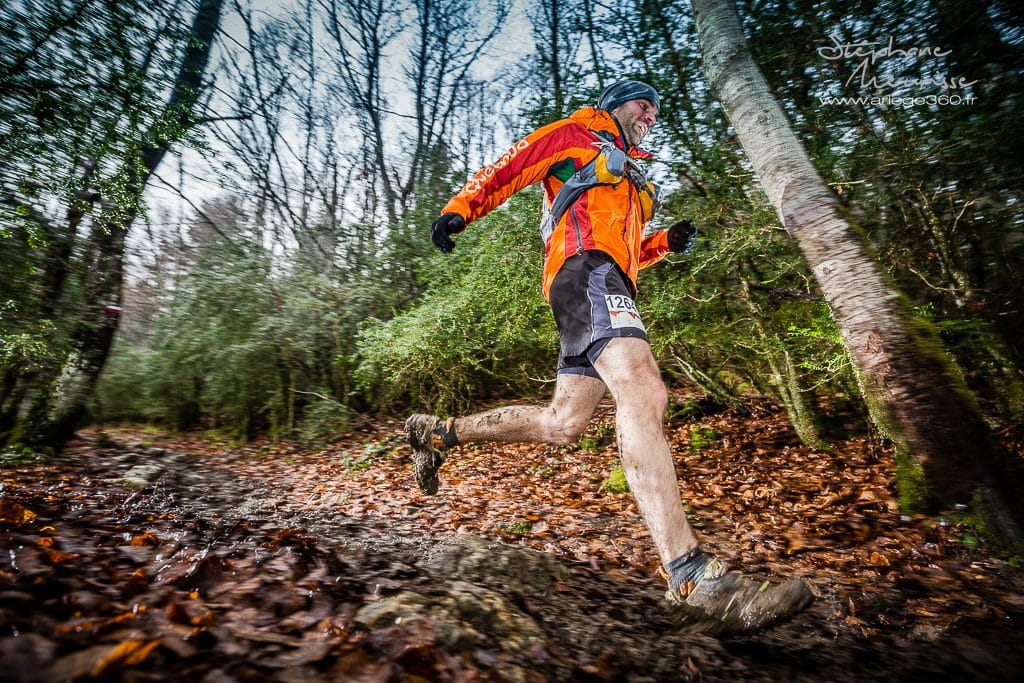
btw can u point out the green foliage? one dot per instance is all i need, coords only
(598, 437)
(324, 421)
(933, 186)
(212, 350)
(985, 360)
(701, 438)
(28, 346)
(83, 122)
(19, 456)
(616, 481)
(123, 394)
(682, 410)
(245, 346)
(744, 286)
(691, 409)
(515, 528)
(816, 341)
(356, 462)
(544, 472)
(480, 329)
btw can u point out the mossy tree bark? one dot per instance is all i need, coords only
(914, 393)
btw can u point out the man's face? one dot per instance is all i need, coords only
(636, 117)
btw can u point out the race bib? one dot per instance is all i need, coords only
(622, 312)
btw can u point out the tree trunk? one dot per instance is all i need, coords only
(104, 260)
(784, 375)
(913, 392)
(555, 65)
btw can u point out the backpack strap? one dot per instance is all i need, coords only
(609, 166)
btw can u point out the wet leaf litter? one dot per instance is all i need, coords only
(140, 556)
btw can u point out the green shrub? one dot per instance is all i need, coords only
(123, 394)
(324, 421)
(480, 329)
(246, 345)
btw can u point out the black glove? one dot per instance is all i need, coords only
(681, 236)
(446, 224)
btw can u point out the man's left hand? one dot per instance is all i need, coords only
(681, 237)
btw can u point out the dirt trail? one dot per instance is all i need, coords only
(203, 572)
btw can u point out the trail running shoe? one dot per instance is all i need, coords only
(426, 434)
(729, 603)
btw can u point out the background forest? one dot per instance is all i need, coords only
(243, 192)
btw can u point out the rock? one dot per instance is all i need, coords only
(468, 618)
(510, 567)
(470, 610)
(393, 610)
(140, 476)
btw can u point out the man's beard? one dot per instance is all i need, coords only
(630, 135)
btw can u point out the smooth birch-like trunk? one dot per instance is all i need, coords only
(914, 393)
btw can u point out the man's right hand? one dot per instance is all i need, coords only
(447, 224)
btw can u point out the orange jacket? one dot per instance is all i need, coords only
(606, 217)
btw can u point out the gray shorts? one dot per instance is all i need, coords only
(592, 301)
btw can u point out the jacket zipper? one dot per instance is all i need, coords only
(579, 233)
(625, 226)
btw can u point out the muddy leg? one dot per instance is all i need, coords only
(576, 397)
(632, 376)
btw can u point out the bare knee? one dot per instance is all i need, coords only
(562, 429)
(644, 397)
(576, 397)
(658, 395)
(633, 377)
(649, 393)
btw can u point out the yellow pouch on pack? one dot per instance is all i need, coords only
(610, 166)
(649, 200)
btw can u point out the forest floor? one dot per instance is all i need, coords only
(142, 556)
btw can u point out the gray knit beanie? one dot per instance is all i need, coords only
(624, 91)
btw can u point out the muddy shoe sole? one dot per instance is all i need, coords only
(737, 605)
(426, 458)
(425, 466)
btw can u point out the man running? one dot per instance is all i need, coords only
(597, 203)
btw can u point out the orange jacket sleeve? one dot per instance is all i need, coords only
(654, 248)
(526, 162)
